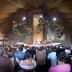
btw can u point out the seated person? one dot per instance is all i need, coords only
(28, 63)
(62, 66)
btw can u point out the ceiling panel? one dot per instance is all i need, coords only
(13, 9)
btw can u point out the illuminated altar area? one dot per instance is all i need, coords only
(35, 28)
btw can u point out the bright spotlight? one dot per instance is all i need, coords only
(34, 18)
(24, 18)
(54, 19)
(41, 16)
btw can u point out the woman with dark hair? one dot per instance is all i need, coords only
(62, 66)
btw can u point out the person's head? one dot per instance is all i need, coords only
(22, 46)
(28, 56)
(20, 49)
(61, 55)
(53, 49)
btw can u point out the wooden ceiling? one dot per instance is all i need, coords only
(9, 9)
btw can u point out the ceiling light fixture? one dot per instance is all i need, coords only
(54, 19)
(34, 18)
(24, 18)
(41, 16)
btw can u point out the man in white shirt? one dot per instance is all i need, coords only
(24, 50)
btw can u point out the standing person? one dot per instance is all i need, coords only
(62, 66)
(20, 55)
(24, 49)
(52, 57)
(5, 63)
(28, 63)
(41, 57)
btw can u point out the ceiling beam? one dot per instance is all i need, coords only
(53, 4)
(5, 28)
(36, 4)
(56, 3)
(14, 3)
(30, 3)
(4, 25)
(23, 6)
(5, 21)
(4, 31)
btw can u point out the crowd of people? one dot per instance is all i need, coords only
(36, 59)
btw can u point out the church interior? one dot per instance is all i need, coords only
(37, 27)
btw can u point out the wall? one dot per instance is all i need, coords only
(49, 36)
(1, 38)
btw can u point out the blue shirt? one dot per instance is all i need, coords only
(53, 58)
(19, 55)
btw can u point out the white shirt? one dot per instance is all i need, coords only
(28, 66)
(24, 50)
(17, 60)
(67, 51)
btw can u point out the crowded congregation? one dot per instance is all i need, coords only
(36, 59)
(35, 35)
